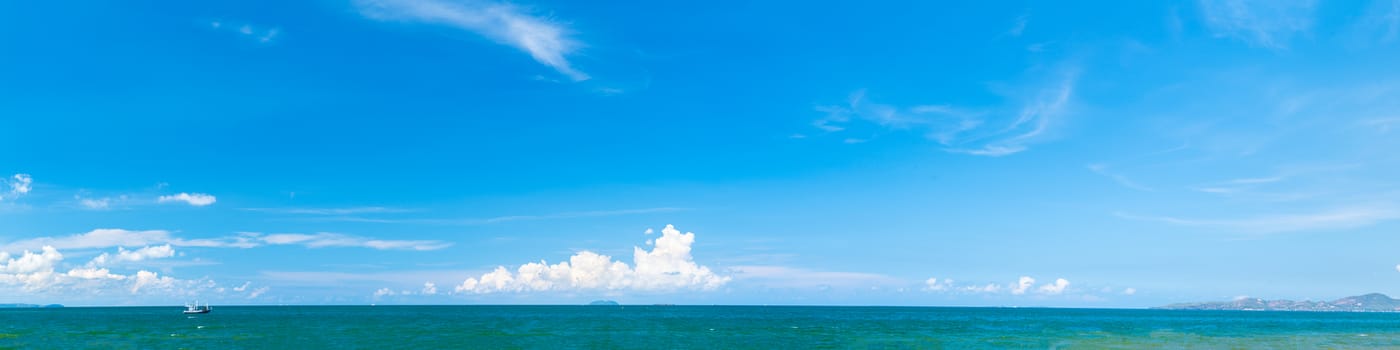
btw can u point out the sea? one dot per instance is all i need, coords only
(686, 327)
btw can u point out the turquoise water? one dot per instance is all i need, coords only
(664, 327)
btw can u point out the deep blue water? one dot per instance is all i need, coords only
(669, 327)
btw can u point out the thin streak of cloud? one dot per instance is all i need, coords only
(546, 41)
(571, 215)
(1019, 26)
(1268, 24)
(330, 211)
(1102, 170)
(1334, 219)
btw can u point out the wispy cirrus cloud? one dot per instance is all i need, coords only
(331, 215)
(1102, 169)
(261, 34)
(571, 215)
(1269, 24)
(992, 132)
(547, 41)
(1321, 220)
(330, 211)
(773, 276)
(107, 238)
(325, 239)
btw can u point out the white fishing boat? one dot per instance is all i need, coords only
(196, 309)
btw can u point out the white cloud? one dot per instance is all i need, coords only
(934, 284)
(988, 288)
(151, 280)
(94, 203)
(142, 254)
(384, 292)
(242, 287)
(1269, 24)
(19, 184)
(322, 240)
(667, 267)
(195, 199)
(1022, 285)
(258, 292)
(34, 273)
(429, 288)
(547, 42)
(93, 273)
(1129, 291)
(30, 262)
(1056, 288)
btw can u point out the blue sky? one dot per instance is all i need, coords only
(891, 153)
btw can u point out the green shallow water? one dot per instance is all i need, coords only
(668, 327)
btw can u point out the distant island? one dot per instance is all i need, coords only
(14, 306)
(1374, 302)
(603, 303)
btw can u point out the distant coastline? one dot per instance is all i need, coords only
(1374, 302)
(28, 306)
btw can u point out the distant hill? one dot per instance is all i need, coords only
(603, 303)
(12, 306)
(1374, 302)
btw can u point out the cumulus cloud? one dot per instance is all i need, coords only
(151, 280)
(429, 288)
(142, 254)
(195, 199)
(19, 184)
(1022, 285)
(93, 273)
(667, 266)
(934, 284)
(384, 292)
(1127, 291)
(322, 240)
(1055, 288)
(546, 41)
(40, 274)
